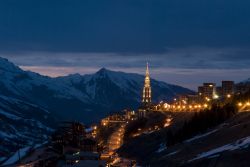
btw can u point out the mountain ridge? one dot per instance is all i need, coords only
(87, 90)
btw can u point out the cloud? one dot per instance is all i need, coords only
(183, 66)
(189, 78)
(187, 58)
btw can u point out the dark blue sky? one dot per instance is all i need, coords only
(186, 42)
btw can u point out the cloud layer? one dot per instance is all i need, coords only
(184, 66)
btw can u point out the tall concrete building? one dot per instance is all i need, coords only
(227, 88)
(209, 90)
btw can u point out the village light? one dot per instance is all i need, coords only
(166, 124)
(248, 104)
(240, 104)
(216, 96)
(228, 96)
(166, 105)
(207, 99)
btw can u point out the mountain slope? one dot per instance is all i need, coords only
(22, 124)
(225, 145)
(118, 90)
(228, 144)
(86, 98)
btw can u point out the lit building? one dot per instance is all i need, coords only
(129, 115)
(227, 88)
(200, 94)
(146, 94)
(209, 90)
(200, 90)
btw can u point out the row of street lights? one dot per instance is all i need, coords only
(244, 104)
(188, 107)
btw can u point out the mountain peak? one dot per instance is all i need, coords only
(6, 65)
(103, 71)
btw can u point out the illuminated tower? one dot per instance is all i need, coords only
(146, 96)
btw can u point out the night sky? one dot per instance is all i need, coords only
(186, 42)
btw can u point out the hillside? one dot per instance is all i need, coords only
(22, 124)
(225, 145)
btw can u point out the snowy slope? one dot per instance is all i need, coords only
(81, 96)
(109, 87)
(22, 124)
(19, 82)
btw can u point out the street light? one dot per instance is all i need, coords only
(215, 96)
(208, 99)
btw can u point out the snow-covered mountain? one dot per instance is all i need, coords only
(22, 124)
(119, 90)
(31, 104)
(81, 97)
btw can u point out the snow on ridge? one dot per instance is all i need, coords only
(6, 65)
(200, 136)
(238, 144)
(13, 159)
(5, 135)
(9, 115)
(161, 148)
(172, 153)
(21, 104)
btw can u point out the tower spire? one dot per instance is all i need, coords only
(146, 97)
(147, 70)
